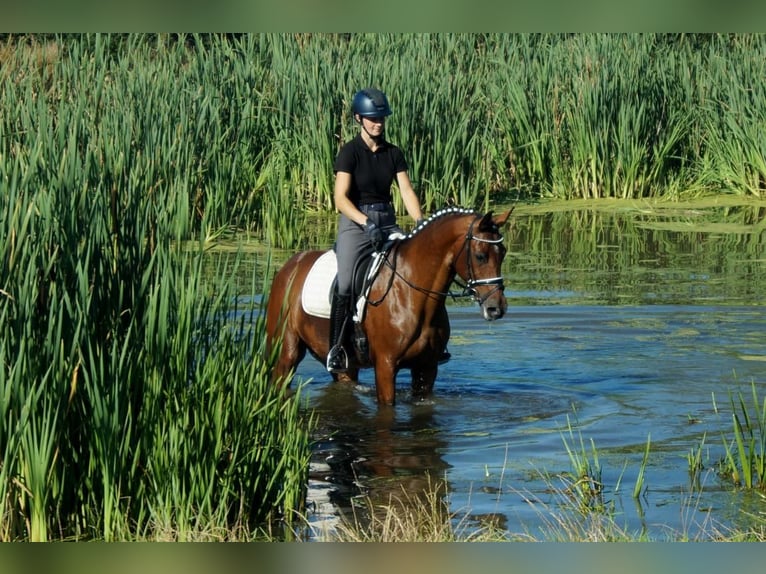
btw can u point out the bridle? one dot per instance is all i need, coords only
(468, 288)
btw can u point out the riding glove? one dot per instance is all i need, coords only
(375, 234)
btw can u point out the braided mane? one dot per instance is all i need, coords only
(444, 211)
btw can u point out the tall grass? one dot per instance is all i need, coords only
(248, 125)
(133, 397)
(733, 116)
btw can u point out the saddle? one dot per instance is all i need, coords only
(316, 296)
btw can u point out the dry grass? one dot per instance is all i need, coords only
(16, 56)
(425, 517)
(410, 517)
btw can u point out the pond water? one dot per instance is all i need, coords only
(625, 328)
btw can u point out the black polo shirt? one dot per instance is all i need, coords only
(371, 173)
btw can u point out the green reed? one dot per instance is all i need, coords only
(249, 124)
(639, 485)
(134, 396)
(744, 462)
(734, 114)
(584, 481)
(694, 462)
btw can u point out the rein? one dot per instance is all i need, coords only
(468, 288)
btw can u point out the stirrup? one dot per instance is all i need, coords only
(337, 360)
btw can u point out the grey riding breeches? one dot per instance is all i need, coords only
(352, 241)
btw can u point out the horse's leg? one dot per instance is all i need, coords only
(292, 352)
(423, 378)
(385, 382)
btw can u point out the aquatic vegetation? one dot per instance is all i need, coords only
(744, 463)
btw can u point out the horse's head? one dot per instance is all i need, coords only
(480, 260)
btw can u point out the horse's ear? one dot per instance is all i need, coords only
(486, 223)
(502, 219)
(490, 223)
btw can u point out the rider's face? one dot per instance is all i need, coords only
(374, 124)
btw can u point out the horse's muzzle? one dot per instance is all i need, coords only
(492, 313)
(493, 304)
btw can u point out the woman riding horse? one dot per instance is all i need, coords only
(404, 322)
(364, 169)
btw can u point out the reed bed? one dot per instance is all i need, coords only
(134, 389)
(247, 126)
(744, 462)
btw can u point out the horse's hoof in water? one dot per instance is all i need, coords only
(347, 377)
(419, 397)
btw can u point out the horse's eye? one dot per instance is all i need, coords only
(481, 257)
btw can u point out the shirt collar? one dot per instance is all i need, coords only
(360, 142)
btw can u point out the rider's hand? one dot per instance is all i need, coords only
(374, 234)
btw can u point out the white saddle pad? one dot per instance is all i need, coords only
(316, 295)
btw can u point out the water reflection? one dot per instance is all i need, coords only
(389, 456)
(674, 255)
(640, 258)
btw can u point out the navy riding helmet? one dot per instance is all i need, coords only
(370, 103)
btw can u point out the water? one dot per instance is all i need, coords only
(622, 331)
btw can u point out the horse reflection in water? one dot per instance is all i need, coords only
(405, 321)
(370, 459)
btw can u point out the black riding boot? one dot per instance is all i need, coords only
(337, 358)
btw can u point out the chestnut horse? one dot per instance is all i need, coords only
(405, 318)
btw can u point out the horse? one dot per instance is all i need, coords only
(403, 318)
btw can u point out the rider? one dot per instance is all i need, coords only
(364, 169)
